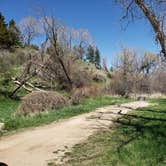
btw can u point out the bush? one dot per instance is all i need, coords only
(117, 87)
(99, 76)
(80, 78)
(80, 93)
(38, 101)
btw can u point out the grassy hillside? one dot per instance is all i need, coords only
(13, 64)
(136, 140)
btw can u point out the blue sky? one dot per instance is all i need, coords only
(100, 17)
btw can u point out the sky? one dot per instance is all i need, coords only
(100, 17)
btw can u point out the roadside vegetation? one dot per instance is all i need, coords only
(66, 75)
(138, 138)
(13, 122)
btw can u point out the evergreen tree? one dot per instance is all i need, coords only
(97, 59)
(90, 54)
(15, 34)
(4, 34)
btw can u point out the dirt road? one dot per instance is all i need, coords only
(37, 146)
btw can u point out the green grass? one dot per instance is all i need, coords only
(7, 108)
(14, 122)
(138, 139)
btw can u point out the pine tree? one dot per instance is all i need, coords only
(15, 34)
(90, 54)
(97, 59)
(4, 34)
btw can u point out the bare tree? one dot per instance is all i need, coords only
(105, 65)
(84, 40)
(158, 79)
(136, 73)
(154, 11)
(81, 41)
(30, 28)
(57, 66)
(54, 31)
(127, 67)
(148, 63)
(67, 44)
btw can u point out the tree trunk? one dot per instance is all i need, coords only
(155, 24)
(65, 71)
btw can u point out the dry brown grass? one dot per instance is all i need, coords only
(87, 91)
(37, 102)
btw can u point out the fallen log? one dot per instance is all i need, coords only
(30, 85)
(24, 85)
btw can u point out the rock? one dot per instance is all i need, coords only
(2, 126)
